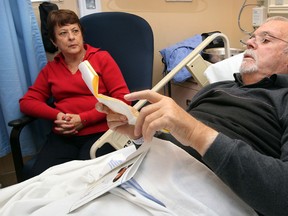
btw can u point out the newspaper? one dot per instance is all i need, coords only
(91, 79)
(118, 170)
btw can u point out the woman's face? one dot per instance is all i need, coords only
(69, 38)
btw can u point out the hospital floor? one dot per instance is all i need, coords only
(7, 171)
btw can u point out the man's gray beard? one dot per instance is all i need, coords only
(247, 66)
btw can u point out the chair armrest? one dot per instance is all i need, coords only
(17, 126)
(21, 122)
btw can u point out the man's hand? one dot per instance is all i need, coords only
(117, 121)
(162, 113)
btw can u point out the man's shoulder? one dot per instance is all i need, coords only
(281, 80)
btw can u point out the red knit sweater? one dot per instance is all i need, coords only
(70, 92)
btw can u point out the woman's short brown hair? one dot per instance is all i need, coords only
(60, 18)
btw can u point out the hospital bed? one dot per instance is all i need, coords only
(184, 185)
(202, 71)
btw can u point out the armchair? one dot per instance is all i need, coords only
(128, 38)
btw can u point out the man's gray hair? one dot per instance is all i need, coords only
(278, 18)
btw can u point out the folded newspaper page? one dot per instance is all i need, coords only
(118, 170)
(91, 79)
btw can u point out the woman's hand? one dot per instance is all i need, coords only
(68, 124)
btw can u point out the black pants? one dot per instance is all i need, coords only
(59, 149)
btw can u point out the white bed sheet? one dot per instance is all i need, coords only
(168, 173)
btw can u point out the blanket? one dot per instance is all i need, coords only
(175, 53)
(178, 183)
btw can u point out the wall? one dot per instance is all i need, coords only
(175, 21)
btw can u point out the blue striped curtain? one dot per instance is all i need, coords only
(22, 56)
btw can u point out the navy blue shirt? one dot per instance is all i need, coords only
(251, 152)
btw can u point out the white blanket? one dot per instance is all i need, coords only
(184, 185)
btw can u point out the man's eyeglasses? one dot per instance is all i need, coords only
(263, 38)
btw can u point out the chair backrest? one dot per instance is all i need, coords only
(129, 40)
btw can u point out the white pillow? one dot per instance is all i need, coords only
(224, 69)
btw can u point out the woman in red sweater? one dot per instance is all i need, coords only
(77, 124)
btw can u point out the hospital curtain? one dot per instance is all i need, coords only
(21, 58)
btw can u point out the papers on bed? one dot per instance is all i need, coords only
(120, 169)
(91, 79)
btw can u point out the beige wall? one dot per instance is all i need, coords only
(175, 21)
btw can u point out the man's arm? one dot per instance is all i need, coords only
(260, 180)
(162, 113)
(256, 178)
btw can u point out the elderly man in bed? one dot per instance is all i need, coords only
(240, 128)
